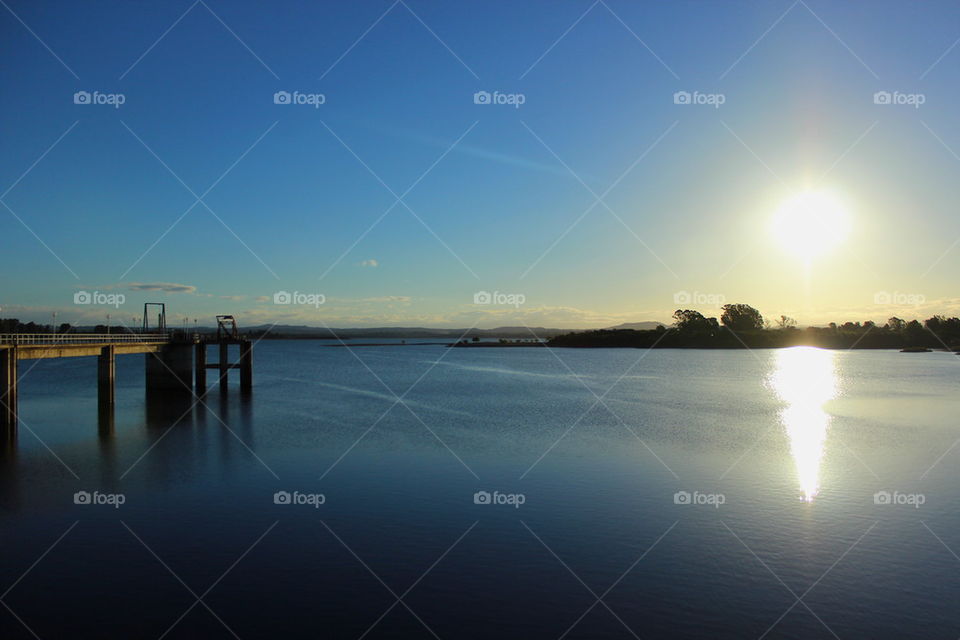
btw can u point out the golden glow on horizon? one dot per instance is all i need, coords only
(805, 379)
(811, 223)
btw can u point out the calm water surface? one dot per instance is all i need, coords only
(666, 494)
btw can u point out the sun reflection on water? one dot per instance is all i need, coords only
(805, 379)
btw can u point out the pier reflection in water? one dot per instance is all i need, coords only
(804, 378)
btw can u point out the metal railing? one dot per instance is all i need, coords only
(83, 338)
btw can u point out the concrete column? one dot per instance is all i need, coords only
(200, 369)
(105, 422)
(224, 364)
(8, 392)
(106, 377)
(171, 368)
(246, 366)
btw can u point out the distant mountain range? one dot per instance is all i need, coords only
(293, 331)
(521, 332)
(304, 332)
(640, 326)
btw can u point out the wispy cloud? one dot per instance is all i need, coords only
(168, 287)
(386, 299)
(370, 263)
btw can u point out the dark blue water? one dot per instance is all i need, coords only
(664, 494)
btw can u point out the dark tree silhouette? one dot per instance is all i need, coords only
(693, 322)
(896, 324)
(786, 322)
(741, 317)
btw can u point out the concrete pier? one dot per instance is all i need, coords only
(223, 366)
(171, 368)
(106, 378)
(174, 366)
(246, 367)
(200, 369)
(8, 392)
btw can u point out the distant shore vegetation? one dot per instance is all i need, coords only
(741, 326)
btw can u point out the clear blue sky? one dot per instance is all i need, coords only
(598, 83)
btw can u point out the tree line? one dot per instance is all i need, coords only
(13, 325)
(742, 326)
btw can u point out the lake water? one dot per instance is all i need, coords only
(514, 493)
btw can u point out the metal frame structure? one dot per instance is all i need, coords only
(161, 317)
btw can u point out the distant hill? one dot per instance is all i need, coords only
(301, 331)
(640, 326)
(304, 331)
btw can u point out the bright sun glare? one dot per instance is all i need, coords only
(811, 223)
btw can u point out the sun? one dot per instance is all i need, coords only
(811, 223)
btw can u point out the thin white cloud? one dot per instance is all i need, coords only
(167, 287)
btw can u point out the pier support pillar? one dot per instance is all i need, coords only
(8, 393)
(171, 368)
(224, 365)
(200, 369)
(246, 366)
(106, 377)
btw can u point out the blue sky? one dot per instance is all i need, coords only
(299, 195)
